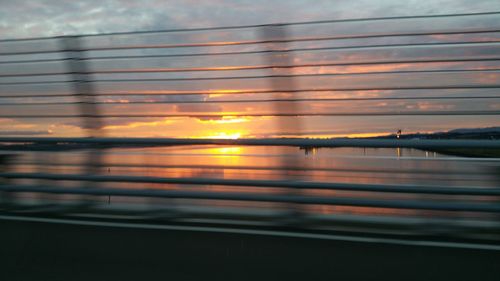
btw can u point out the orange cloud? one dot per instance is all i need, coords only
(227, 120)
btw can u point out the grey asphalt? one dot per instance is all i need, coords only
(50, 251)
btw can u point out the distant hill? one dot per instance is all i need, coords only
(490, 133)
(463, 133)
(476, 130)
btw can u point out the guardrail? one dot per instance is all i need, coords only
(86, 77)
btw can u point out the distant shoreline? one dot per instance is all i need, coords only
(421, 141)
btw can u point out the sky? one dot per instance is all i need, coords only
(230, 119)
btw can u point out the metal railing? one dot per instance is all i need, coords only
(85, 77)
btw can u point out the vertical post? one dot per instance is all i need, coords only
(281, 60)
(7, 198)
(82, 86)
(84, 91)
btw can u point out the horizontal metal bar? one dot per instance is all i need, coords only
(265, 168)
(221, 92)
(263, 183)
(280, 173)
(273, 198)
(249, 42)
(334, 142)
(255, 100)
(415, 72)
(237, 68)
(352, 47)
(298, 114)
(340, 48)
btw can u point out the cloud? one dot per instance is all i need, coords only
(45, 18)
(25, 133)
(20, 19)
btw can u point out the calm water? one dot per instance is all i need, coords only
(356, 165)
(345, 165)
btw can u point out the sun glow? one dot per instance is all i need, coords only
(225, 150)
(224, 135)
